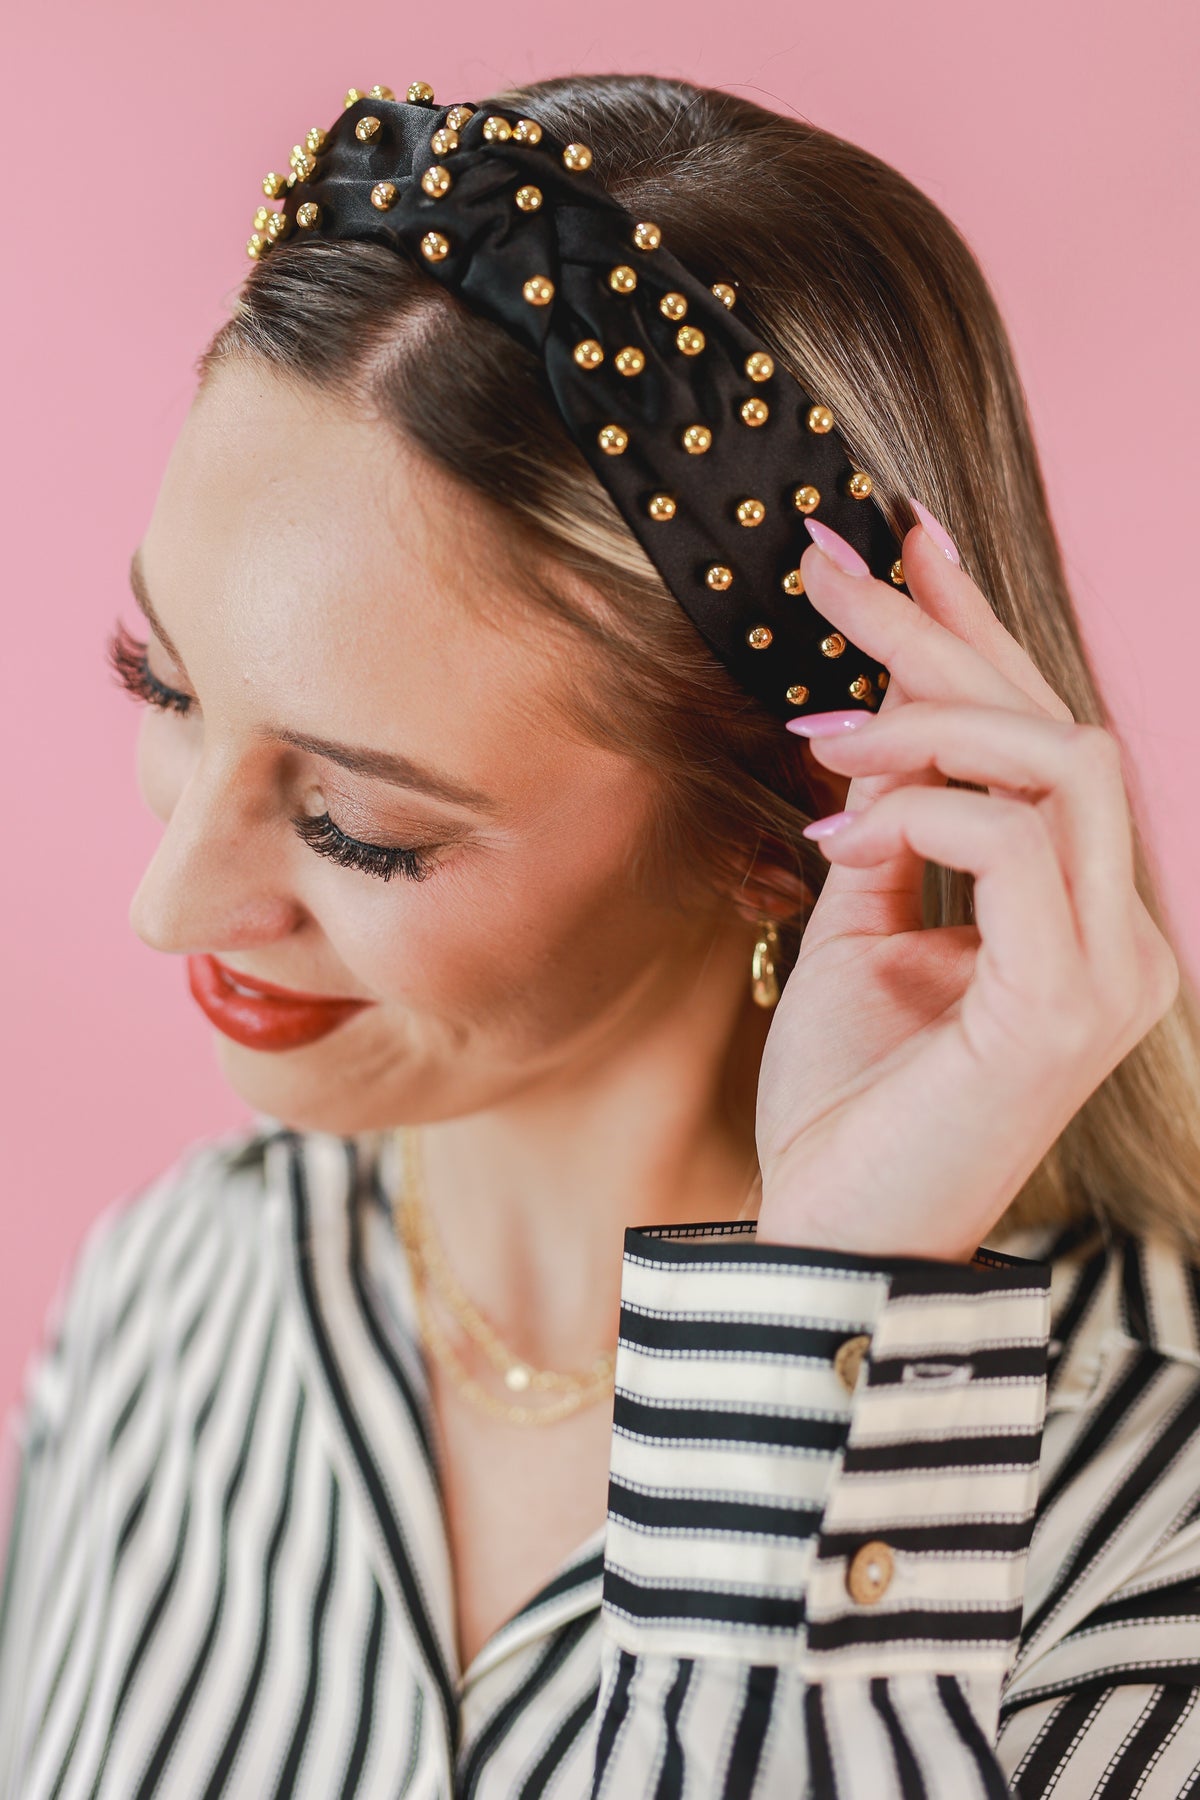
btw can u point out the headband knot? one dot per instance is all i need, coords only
(713, 454)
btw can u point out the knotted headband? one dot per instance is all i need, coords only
(712, 453)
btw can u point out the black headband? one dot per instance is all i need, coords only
(712, 453)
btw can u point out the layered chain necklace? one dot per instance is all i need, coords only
(432, 1274)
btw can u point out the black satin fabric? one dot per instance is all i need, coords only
(579, 233)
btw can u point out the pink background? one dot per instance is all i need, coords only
(1061, 138)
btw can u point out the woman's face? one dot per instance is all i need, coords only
(309, 572)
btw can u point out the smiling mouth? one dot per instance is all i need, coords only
(252, 988)
(238, 987)
(266, 1018)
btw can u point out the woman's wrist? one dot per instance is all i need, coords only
(781, 1223)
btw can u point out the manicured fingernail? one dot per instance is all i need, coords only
(822, 828)
(827, 724)
(937, 531)
(836, 548)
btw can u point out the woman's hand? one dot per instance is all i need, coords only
(912, 1079)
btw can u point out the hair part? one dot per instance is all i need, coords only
(868, 294)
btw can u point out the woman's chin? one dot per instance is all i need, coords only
(303, 1089)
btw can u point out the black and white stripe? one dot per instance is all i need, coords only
(228, 1571)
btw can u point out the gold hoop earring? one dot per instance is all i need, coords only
(764, 981)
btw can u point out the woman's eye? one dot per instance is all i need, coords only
(127, 658)
(384, 860)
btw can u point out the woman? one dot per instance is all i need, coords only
(330, 1485)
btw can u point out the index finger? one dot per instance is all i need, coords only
(945, 591)
(925, 656)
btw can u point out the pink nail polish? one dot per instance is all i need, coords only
(822, 828)
(827, 724)
(937, 531)
(836, 548)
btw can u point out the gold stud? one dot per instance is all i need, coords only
(725, 294)
(367, 127)
(383, 195)
(622, 279)
(539, 290)
(797, 694)
(256, 243)
(612, 440)
(833, 645)
(352, 95)
(434, 246)
(718, 576)
(897, 572)
(860, 687)
(436, 181)
(291, 180)
(303, 165)
(697, 439)
(314, 140)
(444, 139)
(577, 156)
(308, 215)
(690, 339)
(457, 117)
(760, 366)
(751, 512)
(859, 485)
(273, 185)
(755, 412)
(418, 91)
(759, 636)
(819, 419)
(261, 217)
(793, 582)
(381, 92)
(806, 499)
(278, 226)
(528, 198)
(647, 236)
(589, 353)
(629, 361)
(527, 131)
(673, 306)
(496, 130)
(661, 506)
(882, 680)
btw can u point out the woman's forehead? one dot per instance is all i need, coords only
(328, 581)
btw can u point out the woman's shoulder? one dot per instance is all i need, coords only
(147, 1265)
(212, 1184)
(1112, 1287)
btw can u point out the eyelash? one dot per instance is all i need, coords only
(384, 860)
(126, 656)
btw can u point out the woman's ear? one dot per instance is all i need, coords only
(770, 889)
(827, 789)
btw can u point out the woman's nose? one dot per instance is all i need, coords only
(216, 880)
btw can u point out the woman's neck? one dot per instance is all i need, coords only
(531, 1198)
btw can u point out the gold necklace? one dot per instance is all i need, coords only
(430, 1270)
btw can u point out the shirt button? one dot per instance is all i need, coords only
(869, 1573)
(848, 1359)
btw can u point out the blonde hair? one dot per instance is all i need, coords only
(869, 294)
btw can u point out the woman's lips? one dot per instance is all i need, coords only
(272, 1018)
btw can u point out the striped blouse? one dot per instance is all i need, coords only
(876, 1527)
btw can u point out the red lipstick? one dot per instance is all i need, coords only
(269, 1018)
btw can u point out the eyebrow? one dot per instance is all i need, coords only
(383, 765)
